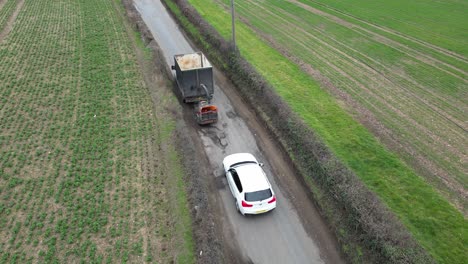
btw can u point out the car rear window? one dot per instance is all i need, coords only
(258, 195)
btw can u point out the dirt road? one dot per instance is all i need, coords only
(294, 232)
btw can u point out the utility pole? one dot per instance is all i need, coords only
(233, 26)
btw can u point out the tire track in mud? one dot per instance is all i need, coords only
(397, 102)
(430, 46)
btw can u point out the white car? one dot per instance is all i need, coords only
(249, 184)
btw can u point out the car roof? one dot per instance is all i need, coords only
(252, 177)
(238, 157)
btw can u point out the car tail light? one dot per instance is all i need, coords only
(272, 199)
(244, 204)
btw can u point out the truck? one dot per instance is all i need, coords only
(194, 78)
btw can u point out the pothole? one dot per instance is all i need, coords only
(218, 138)
(231, 114)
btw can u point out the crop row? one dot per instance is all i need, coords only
(75, 130)
(6, 11)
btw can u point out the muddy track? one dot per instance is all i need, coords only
(295, 232)
(212, 240)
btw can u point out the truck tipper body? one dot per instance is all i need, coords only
(194, 76)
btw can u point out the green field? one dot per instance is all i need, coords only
(413, 97)
(412, 92)
(419, 99)
(440, 23)
(85, 155)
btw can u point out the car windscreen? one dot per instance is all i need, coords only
(258, 195)
(242, 162)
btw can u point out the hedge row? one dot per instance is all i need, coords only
(360, 220)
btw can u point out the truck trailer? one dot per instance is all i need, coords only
(194, 78)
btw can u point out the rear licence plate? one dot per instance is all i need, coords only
(260, 211)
